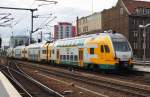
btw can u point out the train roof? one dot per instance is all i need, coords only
(117, 35)
(37, 45)
(79, 41)
(19, 47)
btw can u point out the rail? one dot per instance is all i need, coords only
(139, 90)
(20, 72)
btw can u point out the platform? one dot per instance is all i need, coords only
(142, 68)
(6, 88)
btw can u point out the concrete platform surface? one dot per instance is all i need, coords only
(6, 88)
(142, 68)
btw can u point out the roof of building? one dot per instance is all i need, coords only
(132, 5)
(64, 23)
(93, 14)
(19, 36)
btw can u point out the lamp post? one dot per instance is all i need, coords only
(144, 36)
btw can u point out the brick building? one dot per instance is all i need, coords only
(125, 18)
(64, 30)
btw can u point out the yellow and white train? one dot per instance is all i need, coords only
(108, 51)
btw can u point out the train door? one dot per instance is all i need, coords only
(38, 54)
(58, 59)
(47, 53)
(24, 53)
(81, 57)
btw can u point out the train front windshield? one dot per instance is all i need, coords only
(121, 46)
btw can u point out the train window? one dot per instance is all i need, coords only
(75, 58)
(107, 50)
(53, 51)
(67, 57)
(71, 57)
(102, 48)
(50, 53)
(64, 57)
(91, 50)
(44, 51)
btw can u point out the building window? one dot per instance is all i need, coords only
(61, 28)
(135, 33)
(83, 29)
(87, 28)
(148, 11)
(91, 50)
(67, 34)
(79, 22)
(79, 30)
(134, 21)
(137, 11)
(135, 45)
(67, 28)
(140, 10)
(121, 11)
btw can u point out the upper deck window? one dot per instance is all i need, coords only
(91, 50)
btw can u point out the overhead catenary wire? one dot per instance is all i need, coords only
(6, 16)
(23, 16)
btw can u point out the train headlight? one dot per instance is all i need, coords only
(130, 60)
(117, 59)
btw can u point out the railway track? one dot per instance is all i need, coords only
(132, 89)
(27, 86)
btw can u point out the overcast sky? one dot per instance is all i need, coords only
(64, 10)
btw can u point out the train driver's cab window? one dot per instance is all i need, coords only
(102, 48)
(91, 50)
(107, 50)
